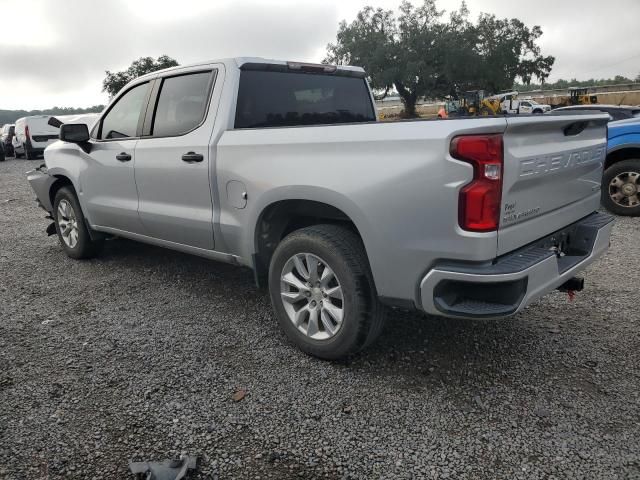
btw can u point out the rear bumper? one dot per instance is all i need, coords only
(514, 280)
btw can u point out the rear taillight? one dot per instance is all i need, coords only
(479, 201)
(26, 132)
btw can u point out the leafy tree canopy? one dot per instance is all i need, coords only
(420, 52)
(115, 81)
(562, 84)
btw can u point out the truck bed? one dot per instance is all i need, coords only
(399, 184)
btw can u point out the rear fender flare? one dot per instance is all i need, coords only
(315, 194)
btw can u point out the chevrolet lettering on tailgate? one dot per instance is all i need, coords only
(553, 163)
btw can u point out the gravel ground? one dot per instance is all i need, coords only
(137, 355)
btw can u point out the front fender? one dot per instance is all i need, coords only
(67, 160)
(631, 140)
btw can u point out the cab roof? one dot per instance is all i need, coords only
(239, 62)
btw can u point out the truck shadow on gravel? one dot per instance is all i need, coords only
(411, 341)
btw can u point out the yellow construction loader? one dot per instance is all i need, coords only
(470, 104)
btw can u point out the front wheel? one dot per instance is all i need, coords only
(71, 226)
(322, 292)
(621, 188)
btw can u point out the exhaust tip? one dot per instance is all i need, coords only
(575, 284)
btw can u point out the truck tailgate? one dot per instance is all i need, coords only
(552, 174)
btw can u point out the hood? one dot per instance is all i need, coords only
(624, 127)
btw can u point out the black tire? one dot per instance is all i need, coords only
(537, 112)
(85, 246)
(620, 168)
(2, 156)
(28, 154)
(342, 250)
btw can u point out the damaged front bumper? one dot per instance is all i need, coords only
(41, 183)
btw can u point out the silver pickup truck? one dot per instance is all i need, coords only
(283, 168)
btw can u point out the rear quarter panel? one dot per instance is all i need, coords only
(396, 181)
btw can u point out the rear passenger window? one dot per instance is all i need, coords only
(182, 104)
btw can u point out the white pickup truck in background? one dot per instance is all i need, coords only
(511, 104)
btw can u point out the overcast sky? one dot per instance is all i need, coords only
(60, 60)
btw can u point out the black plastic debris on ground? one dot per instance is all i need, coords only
(174, 469)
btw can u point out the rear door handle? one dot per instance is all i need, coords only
(123, 157)
(191, 157)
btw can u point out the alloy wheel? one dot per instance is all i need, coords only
(68, 223)
(312, 296)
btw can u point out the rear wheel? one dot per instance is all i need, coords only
(322, 292)
(621, 188)
(2, 156)
(71, 226)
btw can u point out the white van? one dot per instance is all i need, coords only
(6, 135)
(33, 135)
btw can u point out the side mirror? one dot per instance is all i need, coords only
(74, 133)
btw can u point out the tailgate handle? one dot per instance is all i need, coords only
(575, 128)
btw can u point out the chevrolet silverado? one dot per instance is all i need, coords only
(283, 168)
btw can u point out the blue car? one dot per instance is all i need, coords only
(621, 179)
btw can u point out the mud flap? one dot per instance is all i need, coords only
(51, 229)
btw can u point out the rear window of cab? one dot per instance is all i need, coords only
(286, 99)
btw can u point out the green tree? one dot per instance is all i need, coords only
(418, 53)
(563, 84)
(115, 81)
(403, 53)
(507, 50)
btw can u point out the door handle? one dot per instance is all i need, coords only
(123, 157)
(191, 157)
